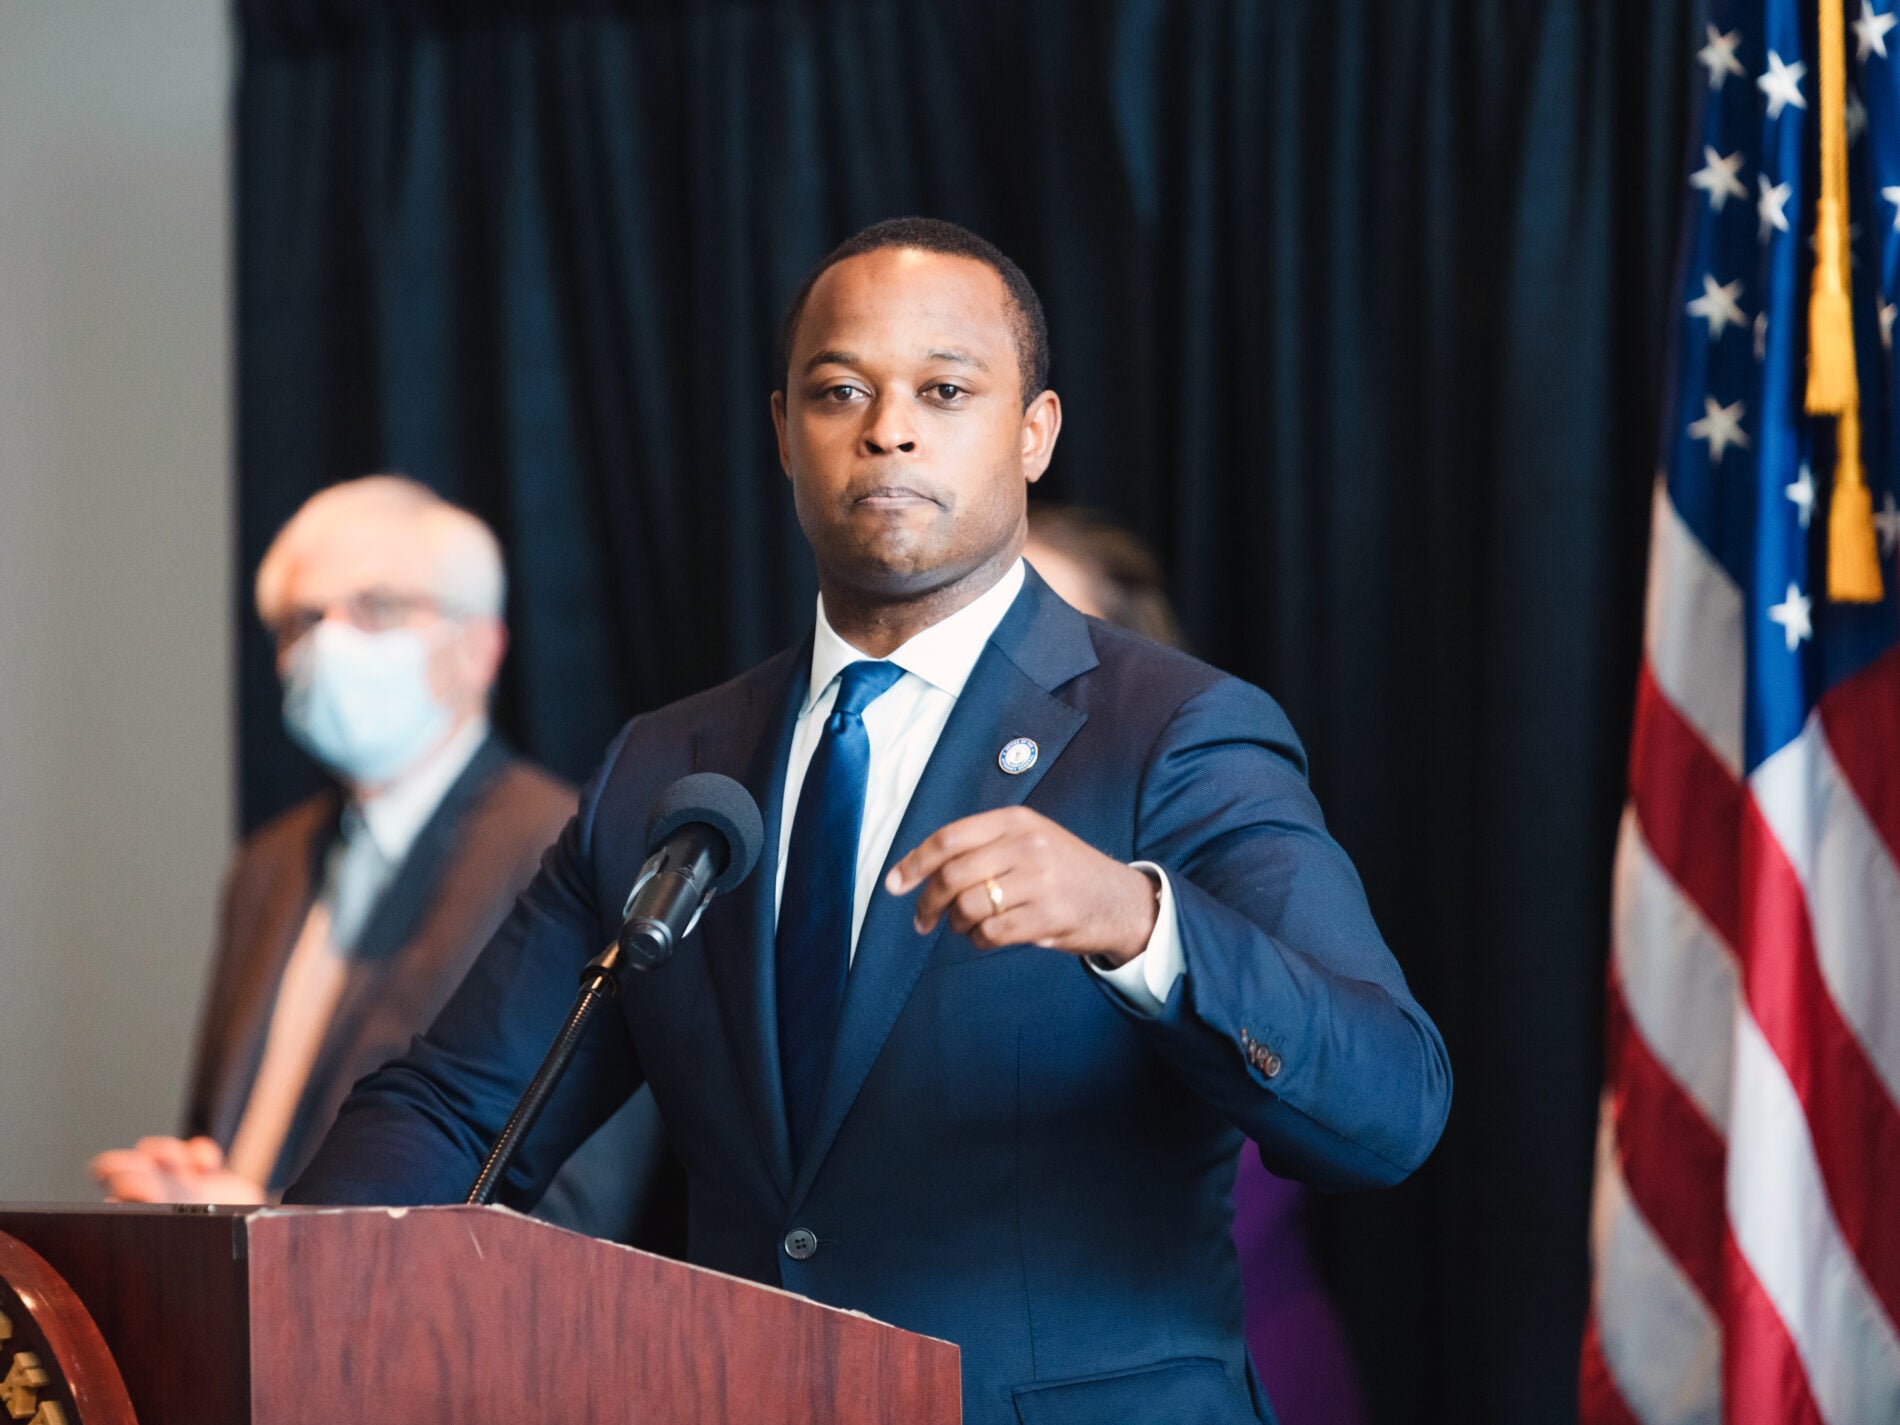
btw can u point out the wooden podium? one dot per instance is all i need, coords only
(458, 1314)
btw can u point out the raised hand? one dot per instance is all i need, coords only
(1013, 876)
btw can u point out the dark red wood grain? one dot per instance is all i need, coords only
(167, 1290)
(466, 1315)
(48, 1313)
(475, 1314)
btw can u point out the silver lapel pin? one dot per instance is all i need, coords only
(1018, 756)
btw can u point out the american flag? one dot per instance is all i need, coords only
(1746, 1226)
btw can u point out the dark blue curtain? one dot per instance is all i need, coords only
(1356, 311)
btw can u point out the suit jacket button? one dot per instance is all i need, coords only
(1272, 1065)
(800, 1244)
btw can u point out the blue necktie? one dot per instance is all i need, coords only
(821, 868)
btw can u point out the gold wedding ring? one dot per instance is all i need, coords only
(995, 893)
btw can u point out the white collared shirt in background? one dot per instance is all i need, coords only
(396, 815)
(378, 832)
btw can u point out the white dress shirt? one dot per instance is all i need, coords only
(396, 815)
(902, 728)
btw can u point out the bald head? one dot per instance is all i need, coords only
(386, 530)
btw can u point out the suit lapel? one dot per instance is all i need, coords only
(1040, 644)
(754, 745)
(398, 912)
(391, 938)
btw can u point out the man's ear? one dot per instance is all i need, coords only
(778, 425)
(1042, 423)
(479, 647)
(492, 647)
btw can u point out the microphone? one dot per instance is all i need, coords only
(703, 839)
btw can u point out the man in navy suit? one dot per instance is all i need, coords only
(1046, 922)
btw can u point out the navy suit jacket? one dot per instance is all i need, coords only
(1006, 1154)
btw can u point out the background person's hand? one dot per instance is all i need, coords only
(172, 1170)
(1013, 876)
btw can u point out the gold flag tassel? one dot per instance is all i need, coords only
(1853, 559)
(1833, 385)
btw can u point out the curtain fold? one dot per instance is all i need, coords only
(1355, 311)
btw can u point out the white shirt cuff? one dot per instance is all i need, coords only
(1145, 981)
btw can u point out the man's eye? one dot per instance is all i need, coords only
(948, 391)
(839, 394)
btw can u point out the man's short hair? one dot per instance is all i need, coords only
(460, 552)
(1028, 328)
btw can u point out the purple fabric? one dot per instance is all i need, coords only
(1293, 1330)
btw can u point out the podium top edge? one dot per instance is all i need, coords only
(262, 1214)
(127, 1209)
(195, 1209)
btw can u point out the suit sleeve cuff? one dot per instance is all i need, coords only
(1146, 981)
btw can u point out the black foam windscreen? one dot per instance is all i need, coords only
(721, 803)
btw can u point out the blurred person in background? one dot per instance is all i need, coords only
(1103, 570)
(1293, 1329)
(348, 919)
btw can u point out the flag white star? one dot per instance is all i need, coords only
(1717, 306)
(1782, 85)
(1718, 56)
(1856, 116)
(1771, 207)
(1892, 195)
(1761, 336)
(1792, 615)
(1802, 493)
(1717, 178)
(1887, 521)
(1870, 30)
(1720, 426)
(1887, 313)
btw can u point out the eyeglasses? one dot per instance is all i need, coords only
(372, 610)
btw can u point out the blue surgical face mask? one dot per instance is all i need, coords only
(360, 703)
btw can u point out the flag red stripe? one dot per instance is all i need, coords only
(1599, 1400)
(1763, 1382)
(1672, 1158)
(1862, 717)
(1711, 839)
(1690, 807)
(1854, 1124)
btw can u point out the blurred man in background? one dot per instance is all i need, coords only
(1293, 1329)
(348, 919)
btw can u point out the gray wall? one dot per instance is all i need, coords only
(115, 516)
